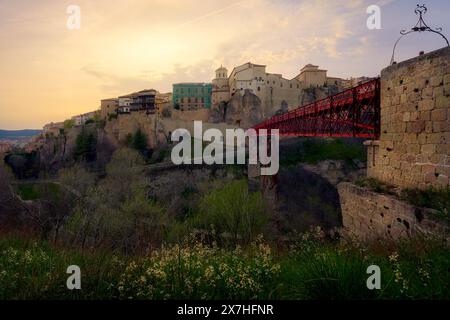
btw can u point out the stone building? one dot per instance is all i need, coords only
(163, 101)
(144, 100)
(192, 96)
(108, 106)
(53, 128)
(275, 92)
(220, 87)
(83, 118)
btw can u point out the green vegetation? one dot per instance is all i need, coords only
(313, 151)
(69, 123)
(137, 141)
(85, 146)
(431, 198)
(112, 116)
(33, 191)
(376, 186)
(235, 214)
(311, 269)
(204, 241)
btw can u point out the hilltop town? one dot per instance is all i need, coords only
(243, 98)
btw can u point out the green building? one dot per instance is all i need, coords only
(191, 96)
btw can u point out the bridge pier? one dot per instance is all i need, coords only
(267, 185)
(414, 145)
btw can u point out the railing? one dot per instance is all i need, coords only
(352, 113)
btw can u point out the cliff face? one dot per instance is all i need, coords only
(242, 110)
(50, 153)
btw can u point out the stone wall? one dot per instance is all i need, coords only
(414, 146)
(368, 215)
(191, 115)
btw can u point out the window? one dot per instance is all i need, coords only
(298, 86)
(281, 85)
(259, 88)
(291, 85)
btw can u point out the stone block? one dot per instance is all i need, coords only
(447, 79)
(439, 115)
(426, 105)
(442, 102)
(428, 148)
(406, 116)
(425, 115)
(436, 81)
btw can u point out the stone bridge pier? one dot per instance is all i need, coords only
(412, 151)
(414, 146)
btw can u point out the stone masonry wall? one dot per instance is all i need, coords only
(414, 146)
(367, 215)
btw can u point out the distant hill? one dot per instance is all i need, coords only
(13, 134)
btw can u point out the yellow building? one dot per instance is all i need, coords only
(163, 101)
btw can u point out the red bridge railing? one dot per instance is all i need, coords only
(351, 113)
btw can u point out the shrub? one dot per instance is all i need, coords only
(437, 199)
(376, 186)
(68, 124)
(313, 151)
(233, 212)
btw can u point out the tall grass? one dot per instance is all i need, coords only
(308, 269)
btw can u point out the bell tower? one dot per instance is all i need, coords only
(221, 88)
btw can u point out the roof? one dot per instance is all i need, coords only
(249, 65)
(192, 84)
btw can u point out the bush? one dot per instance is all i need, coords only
(233, 212)
(431, 198)
(313, 151)
(68, 124)
(137, 141)
(376, 186)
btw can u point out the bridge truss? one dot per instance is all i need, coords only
(351, 113)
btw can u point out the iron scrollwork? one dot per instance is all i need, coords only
(421, 26)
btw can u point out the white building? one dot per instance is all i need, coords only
(83, 118)
(274, 91)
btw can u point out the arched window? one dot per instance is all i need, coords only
(259, 88)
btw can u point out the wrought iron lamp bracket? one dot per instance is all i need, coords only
(421, 26)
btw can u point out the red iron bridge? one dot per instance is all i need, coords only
(351, 113)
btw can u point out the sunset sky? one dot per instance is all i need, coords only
(49, 73)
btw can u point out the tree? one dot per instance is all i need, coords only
(77, 180)
(139, 141)
(6, 191)
(117, 211)
(85, 146)
(69, 123)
